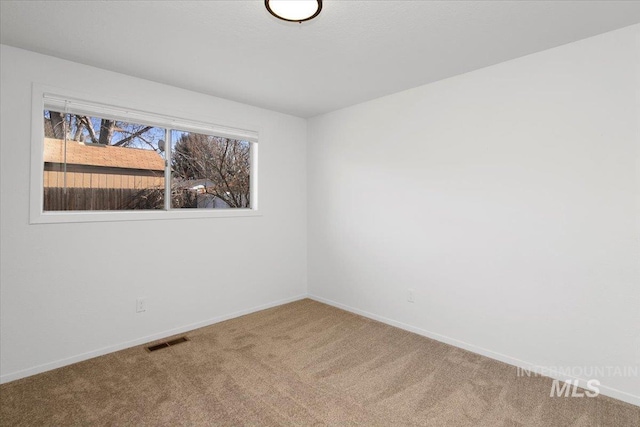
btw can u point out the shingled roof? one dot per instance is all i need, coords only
(79, 153)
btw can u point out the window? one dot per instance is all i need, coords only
(97, 164)
(209, 171)
(106, 162)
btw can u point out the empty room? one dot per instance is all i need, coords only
(308, 212)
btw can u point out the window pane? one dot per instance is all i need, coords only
(92, 163)
(209, 172)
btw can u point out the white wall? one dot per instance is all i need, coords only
(68, 291)
(508, 198)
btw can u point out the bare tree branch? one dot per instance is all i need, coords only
(92, 132)
(132, 136)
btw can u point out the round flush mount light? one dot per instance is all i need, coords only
(294, 10)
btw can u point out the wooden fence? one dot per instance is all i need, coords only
(106, 199)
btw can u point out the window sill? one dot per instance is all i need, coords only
(105, 216)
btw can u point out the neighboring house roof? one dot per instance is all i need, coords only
(79, 153)
(193, 184)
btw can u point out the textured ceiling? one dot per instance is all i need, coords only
(353, 52)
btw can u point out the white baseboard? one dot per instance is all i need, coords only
(607, 391)
(139, 341)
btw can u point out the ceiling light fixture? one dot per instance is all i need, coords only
(294, 10)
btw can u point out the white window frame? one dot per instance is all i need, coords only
(44, 97)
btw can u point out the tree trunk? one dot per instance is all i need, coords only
(57, 124)
(106, 131)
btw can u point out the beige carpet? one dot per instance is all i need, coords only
(303, 363)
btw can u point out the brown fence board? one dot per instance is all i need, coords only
(102, 199)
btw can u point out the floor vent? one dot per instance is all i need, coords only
(167, 344)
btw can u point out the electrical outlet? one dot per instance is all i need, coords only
(141, 305)
(410, 295)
